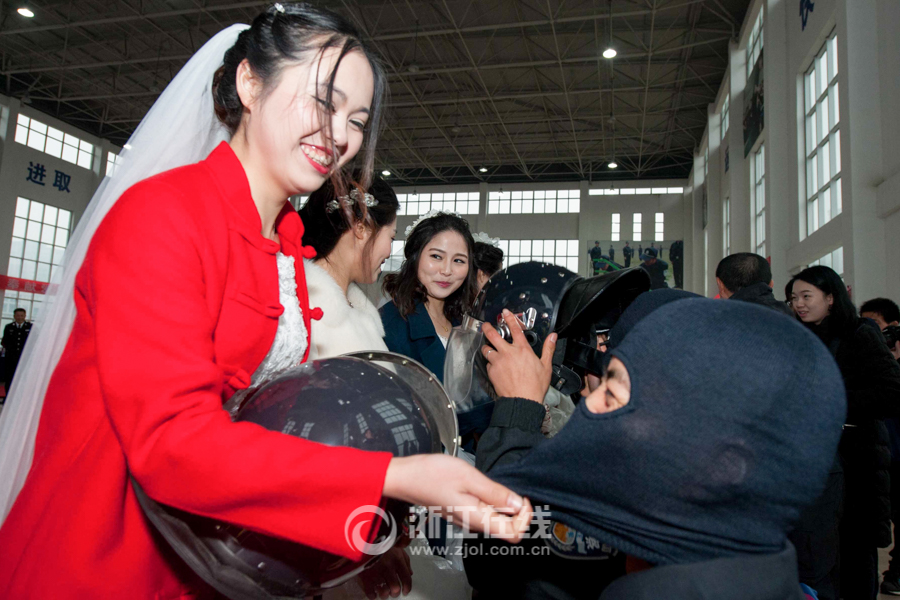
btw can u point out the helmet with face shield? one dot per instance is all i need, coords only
(378, 401)
(545, 298)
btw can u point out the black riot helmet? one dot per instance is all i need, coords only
(545, 298)
(378, 401)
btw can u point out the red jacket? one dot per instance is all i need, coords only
(177, 304)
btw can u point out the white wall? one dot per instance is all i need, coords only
(593, 222)
(868, 33)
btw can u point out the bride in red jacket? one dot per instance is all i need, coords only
(176, 306)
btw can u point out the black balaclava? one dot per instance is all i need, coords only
(731, 429)
(642, 306)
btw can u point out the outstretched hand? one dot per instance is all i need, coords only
(513, 368)
(464, 495)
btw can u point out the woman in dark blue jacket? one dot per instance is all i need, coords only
(432, 290)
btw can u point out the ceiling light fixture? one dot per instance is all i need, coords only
(609, 53)
(386, 173)
(483, 169)
(612, 164)
(26, 12)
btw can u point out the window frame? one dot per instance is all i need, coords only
(755, 41)
(48, 139)
(723, 118)
(34, 241)
(759, 199)
(514, 252)
(534, 202)
(821, 149)
(463, 203)
(726, 225)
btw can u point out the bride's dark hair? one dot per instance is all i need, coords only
(322, 228)
(295, 33)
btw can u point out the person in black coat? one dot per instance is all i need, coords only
(655, 268)
(655, 465)
(627, 254)
(748, 277)
(15, 335)
(872, 381)
(676, 255)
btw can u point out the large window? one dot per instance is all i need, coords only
(636, 227)
(534, 202)
(759, 199)
(833, 260)
(723, 122)
(706, 164)
(54, 142)
(755, 43)
(614, 191)
(823, 138)
(40, 236)
(706, 261)
(464, 203)
(660, 231)
(393, 263)
(616, 227)
(560, 252)
(112, 161)
(726, 225)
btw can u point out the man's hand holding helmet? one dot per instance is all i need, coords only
(513, 368)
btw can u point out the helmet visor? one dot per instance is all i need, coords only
(464, 375)
(428, 392)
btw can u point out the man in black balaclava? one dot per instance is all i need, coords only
(658, 464)
(567, 565)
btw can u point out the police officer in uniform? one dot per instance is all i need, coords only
(14, 337)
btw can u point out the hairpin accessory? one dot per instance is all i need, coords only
(279, 7)
(428, 215)
(486, 239)
(354, 195)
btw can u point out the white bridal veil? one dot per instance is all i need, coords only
(181, 128)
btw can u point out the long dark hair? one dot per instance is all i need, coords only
(323, 226)
(404, 287)
(487, 258)
(842, 317)
(298, 32)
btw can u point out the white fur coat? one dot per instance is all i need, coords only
(342, 328)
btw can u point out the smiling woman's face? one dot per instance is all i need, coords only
(810, 303)
(614, 391)
(285, 127)
(443, 264)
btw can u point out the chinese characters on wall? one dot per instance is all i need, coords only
(38, 172)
